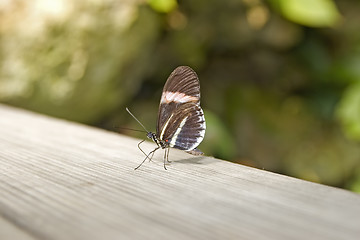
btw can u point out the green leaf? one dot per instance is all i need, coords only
(163, 6)
(348, 112)
(312, 13)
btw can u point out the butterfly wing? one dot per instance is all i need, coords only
(187, 128)
(184, 84)
(181, 86)
(180, 119)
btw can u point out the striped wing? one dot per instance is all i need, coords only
(181, 99)
(181, 87)
(184, 84)
(185, 128)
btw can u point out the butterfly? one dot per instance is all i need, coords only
(181, 122)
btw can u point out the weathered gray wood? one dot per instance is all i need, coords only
(10, 231)
(61, 180)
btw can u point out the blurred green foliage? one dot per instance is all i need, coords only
(312, 13)
(279, 78)
(163, 5)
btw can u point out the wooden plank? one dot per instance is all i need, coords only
(62, 180)
(10, 231)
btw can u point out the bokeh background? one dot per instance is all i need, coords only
(280, 79)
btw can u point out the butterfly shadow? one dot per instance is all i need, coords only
(196, 160)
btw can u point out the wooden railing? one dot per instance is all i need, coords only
(62, 180)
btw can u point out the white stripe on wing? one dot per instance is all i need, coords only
(164, 127)
(178, 130)
(178, 97)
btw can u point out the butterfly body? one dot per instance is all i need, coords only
(181, 122)
(161, 143)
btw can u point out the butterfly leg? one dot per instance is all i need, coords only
(164, 159)
(143, 150)
(150, 158)
(167, 156)
(140, 147)
(147, 156)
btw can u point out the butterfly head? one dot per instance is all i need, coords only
(151, 136)
(161, 143)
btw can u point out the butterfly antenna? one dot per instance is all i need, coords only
(136, 119)
(131, 129)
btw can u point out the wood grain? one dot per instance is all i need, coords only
(62, 180)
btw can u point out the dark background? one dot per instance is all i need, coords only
(280, 79)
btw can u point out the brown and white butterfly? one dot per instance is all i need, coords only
(181, 121)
